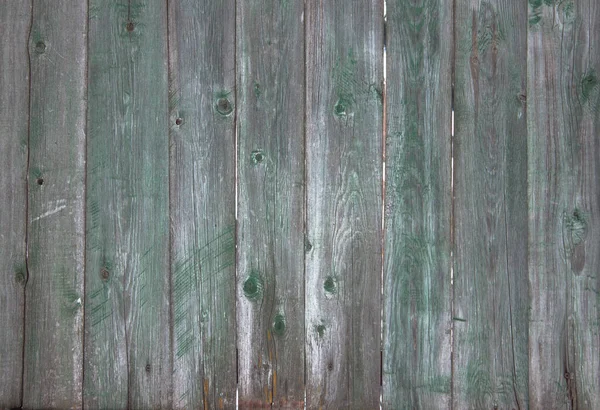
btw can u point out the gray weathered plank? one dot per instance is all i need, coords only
(127, 336)
(417, 288)
(490, 210)
(201, 103)
(564, 201)
(55, 228)
(270, 121)
(15, 20)
(344, 64)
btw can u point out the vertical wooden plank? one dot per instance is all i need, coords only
(344, 197)
(270, 285)
(15, 20)
(55, 228)
(564, 200)
(490, 210)
(201, 103)
(417, 288)
(127, 343)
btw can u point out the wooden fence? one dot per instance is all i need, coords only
(221, 203)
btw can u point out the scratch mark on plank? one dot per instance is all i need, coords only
(57, 209)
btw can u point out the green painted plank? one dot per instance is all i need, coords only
(344, 203)
(127, 326)
(490, 318)
(15, 20)
(55, 227)
(202, 80)
(270, 275)
(417, 287)
(563, 105)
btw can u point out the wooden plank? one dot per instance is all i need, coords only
(490, 210)
(417, 287)
(344, 198)
(270, 118)
(564, 201)
(127, 339)
(15, 20)
(202, 81)
(55, 227)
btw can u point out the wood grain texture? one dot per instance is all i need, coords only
(344, 64)
(15, 21)
(127, 335)
(270, 276)
(417, 287)
(201, 103)
(53, 357)
(490, 210)
(563, 102)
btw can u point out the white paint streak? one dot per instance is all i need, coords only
(57, 209)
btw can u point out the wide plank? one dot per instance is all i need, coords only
(127, 315)
(563, 104)
(417, 289)
(202, 169)
(344, 148)
(270, 274)
(490, 318)
(53, 356)
(15, 22)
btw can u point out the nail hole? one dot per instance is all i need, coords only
(148, 368)
(104, 274)
(40, 181)
(40, 47)
(130, 26)
(179, 121)
(330, 366)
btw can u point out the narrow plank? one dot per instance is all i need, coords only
(15, 20)
(201, 103)
(344, 198)
(564, 200)
(55, 228)
(417, 287)
(127, 335)
(270, 121)
(490, 316)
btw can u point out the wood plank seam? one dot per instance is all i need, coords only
(27, 204)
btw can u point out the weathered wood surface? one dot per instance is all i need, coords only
(417, 290)
(564, 200)
(53, 353)
(118, 194)
(344, 63)
(15, 22)
(270, 275)
(490, 206)
(201, 103)
(127, 335)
